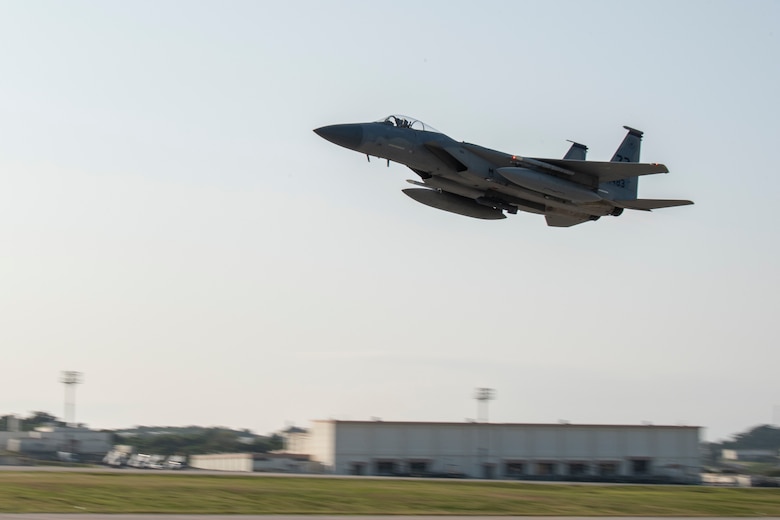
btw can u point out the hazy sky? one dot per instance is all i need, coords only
(171, 226)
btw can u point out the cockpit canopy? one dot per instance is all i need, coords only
(407, 122)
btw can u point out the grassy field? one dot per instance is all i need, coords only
(44, 492)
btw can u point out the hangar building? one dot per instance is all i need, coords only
(645, 453)
(48, 440)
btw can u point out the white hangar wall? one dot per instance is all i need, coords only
(491, 450)
(249, 462)
(223, 462)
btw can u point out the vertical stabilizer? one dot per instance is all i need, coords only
(628, 151)
(577, 152)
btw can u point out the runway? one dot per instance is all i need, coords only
(78, 516)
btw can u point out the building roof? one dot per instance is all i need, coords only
(254, 456)
(525, 425)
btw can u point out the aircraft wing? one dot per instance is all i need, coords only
(606, 171)
(595, 172)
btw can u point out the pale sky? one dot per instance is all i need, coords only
(171, 226)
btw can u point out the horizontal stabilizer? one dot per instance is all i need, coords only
(650, 204)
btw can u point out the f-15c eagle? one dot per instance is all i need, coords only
(482, 183)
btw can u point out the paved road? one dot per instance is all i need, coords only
(51, 516)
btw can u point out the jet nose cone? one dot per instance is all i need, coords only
(348, 136)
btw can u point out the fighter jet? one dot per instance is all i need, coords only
(478, 182)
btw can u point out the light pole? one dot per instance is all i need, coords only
(483, 397)
(70, 379)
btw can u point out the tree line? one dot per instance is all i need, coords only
(189, 440)
(30, 422)
(764, 437)
(200, 441)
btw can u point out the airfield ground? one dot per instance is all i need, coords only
(187, 493)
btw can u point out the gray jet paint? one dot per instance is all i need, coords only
(478, 182)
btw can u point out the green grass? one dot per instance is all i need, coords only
(104, 492)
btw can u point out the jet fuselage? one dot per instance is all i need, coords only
(476, 179)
